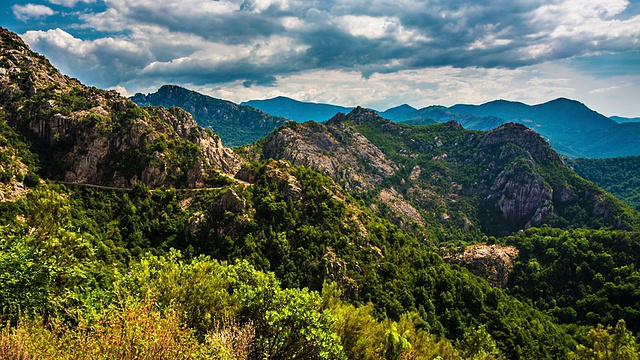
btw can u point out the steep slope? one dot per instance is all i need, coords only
(297, 110)
(235, 124)
(618, 176)
(443, 181)
(87, 135)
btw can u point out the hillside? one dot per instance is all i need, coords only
(87, 135)
(443, 181)
(618, 176)
(129, 232)
(299, 111)
(235, 124)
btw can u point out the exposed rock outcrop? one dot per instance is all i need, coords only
(334, 150)
(95, 136)
(492, 262)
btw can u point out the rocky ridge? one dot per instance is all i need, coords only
(95, 136)
(235, 124)
(444, 176)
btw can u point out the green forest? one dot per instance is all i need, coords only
(618, 176)
(173, 247)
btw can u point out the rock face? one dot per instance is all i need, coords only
(443, 178)
(334, 150)
(94, 136)
(235, 124)
(492, 262)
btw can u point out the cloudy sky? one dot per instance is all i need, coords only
(374, 53)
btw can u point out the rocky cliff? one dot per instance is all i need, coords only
(87, 135)
(443, 179)
(235, 124)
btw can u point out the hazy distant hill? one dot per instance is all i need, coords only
(297, 110)
(620, 119)
(396, 112)
(235, 124)
(556, 115)
(569, 126)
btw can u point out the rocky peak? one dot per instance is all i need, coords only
(334, 150)
(525, 138)
(88, 135)
(359, 114)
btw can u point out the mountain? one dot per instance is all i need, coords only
(87, 135)
(555, 115)
(117, 219)
(397, 111)
(441, 114)
(571, 127)
(620, 119)
(434, 180)
(235, 124)
(297, 110)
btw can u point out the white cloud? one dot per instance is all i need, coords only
(353, 52)
(70, 3)
(588, 20)
(103, 62)
(31, 11)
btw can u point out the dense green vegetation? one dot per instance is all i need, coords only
(585, 277)
(75, 255)
(618, 176)
(289, 265)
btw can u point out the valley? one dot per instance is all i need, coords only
(138, 228)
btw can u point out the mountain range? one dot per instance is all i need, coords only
(297, 110)
(569, 126)
(235, 124)
(133, 230)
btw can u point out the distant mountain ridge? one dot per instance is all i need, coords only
(297, 110)
(235, 124)
(572, 128)
(620, 119)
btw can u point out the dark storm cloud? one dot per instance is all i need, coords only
(256, 41)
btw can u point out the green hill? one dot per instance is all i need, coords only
(129, 232)
(618, 176)
(235, 124)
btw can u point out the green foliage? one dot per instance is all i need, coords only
(618, 176)
(581, 276)
(288, 323)
(608, 344)
(46, 263)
